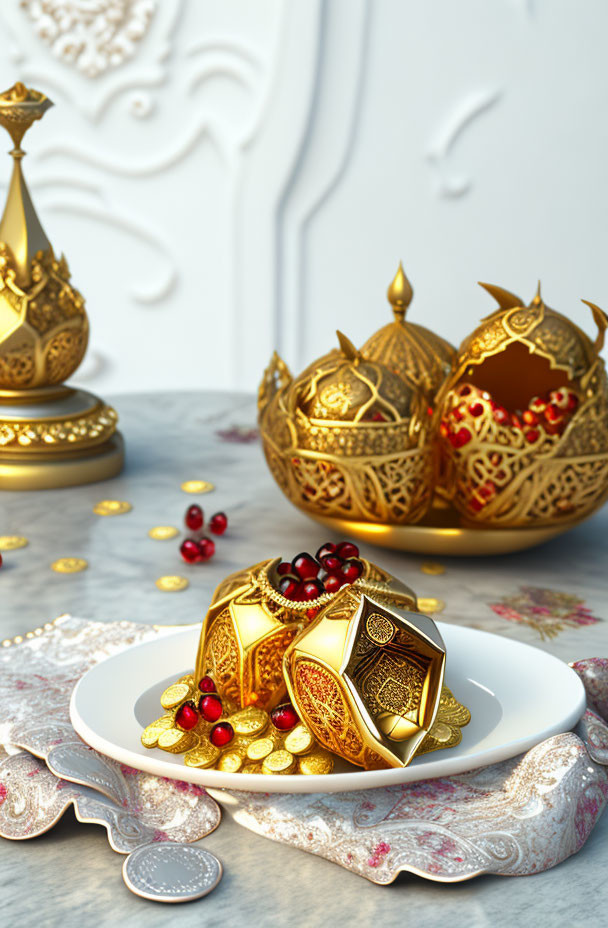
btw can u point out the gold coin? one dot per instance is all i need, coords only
(151, 734)
(197, 486)
(176, 741)
(430, 604)
(279, 762)
(260, 749)
(434, 568)
(299, 740)
(174, 694)
(112, 507)
(441, 732)
(163, 532)
(12, 542)
(317, 762)
(172, 584)
(69, 565)
(249, 721)
(204, 755)
(230, 762)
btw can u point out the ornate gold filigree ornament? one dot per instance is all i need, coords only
(511, 432)
(50, 435)
(362, 668)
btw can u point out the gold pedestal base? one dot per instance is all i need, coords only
(56, 437)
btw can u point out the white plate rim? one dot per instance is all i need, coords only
(429, 766)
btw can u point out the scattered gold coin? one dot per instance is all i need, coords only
(260, 749)
(434, 568)
(230, 762)
(317, 762)
(151, 734)
(174, 694)
(299, 740)
(176, 741)
(279, 762)
(111, 507)
(69, 565)
(163, 532)
(172, 584)
(249, 721)
(12, 542)
(197, 486)
(204, 755)
(430, 604)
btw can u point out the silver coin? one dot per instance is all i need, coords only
(171, 872)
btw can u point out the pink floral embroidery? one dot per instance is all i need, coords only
(3, 793)
(128, 771)
(548, 612)
(160, 835)
(378, 854)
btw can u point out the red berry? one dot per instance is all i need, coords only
(325, 550)
(194, 518)
(288, 586)
(210, 707)
(218, 523)
(206, 547)
(186, 717)
(284, 717)
(206, 685)
(333, 583)
(221, 734)
(190, 551)
(352, 570)
(347, 549)
(476, 409)
(332, 562)
(312, 589)
(284, 568)
(305, 566)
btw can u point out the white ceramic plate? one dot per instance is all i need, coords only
(518, 696)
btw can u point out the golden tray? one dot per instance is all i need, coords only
(444, 532)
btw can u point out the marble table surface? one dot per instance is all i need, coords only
(555, 596)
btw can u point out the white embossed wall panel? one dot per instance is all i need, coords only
(227, 177)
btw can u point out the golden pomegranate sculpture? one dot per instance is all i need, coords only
(524, 417)
(50, 435)
(351, 436)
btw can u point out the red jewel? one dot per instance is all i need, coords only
(464, 391)
(529, 417)
(325, 550)
(460, 438)
(186, 716)
(312, 613)
(476, 409)
(501, 415)
(488, 490)
(553, 413)
(332, 562)
(476, 504)
(532, 435)
(206, 548)
(537, 404)
(194, 518)
(305, 566)
(284, 568)
(206, 685)
(288, 586)
(378, 417)
(284, 717)
(312, 589)
(221, 734)
(218, 523)
(210, 707)
(190, 551)
(333, 583)
(347, 549)
(572, 401)
(457, 414)
(352, 570)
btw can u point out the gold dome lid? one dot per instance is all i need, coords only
(406, 348)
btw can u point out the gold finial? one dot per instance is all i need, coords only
(347, 348)
(400, 294)
(20, 228)
(537, 301)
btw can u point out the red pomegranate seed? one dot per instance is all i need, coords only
(352, 570)
(284, 568)
(0, 560)
(218, 523)
(207, 548)
(333, 583)
(194, 518)
(325, 550)
(476, 504)
(284, 717)
(206, 685)
(346, 549)
(186, 717)
(190, 551)
(501, 415)
(312, 589)
(476, 409)
(305, 566)
(331, 562)
(210, 707)
(221, 734)
(460, 438)
(312, 613)
(532, 435)
(288, 586)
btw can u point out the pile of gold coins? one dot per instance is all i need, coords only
(257, 746)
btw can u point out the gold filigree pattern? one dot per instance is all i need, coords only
(59, 434)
